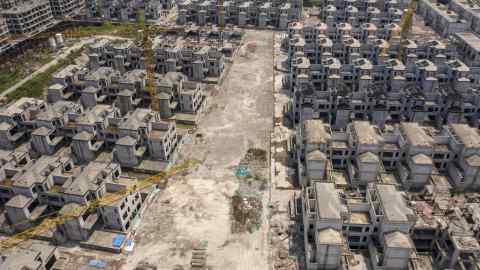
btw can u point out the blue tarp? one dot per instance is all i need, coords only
(118, 240)
(97, 264)
(242, 171)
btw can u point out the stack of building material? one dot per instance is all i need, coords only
(199, 258)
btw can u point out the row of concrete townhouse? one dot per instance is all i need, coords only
(128, 10)
(408, 152)
(317, 40)
(450, 17)
(335, 223)
(127, 91)
(383, 228)
(53, 184)
(444, 21)
(4, 34)
(363, 5)
(200, 60)
(335, 80)
(354, 196)
(385, 94)
(133, 138)
(387, 141)
(27, 17)
(32, 254)
(359, 12)
(260, 14)
(467, 45)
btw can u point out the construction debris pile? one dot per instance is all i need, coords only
(251, 169)
(255, 155)
(247, 201)
(283, 261)
(284, 241)
(246, 212)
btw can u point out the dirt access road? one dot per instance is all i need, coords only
(196, 207)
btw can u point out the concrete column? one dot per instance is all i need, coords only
(94, 61)
(171, 65)
(283, 21)
(242, 18)
(165, 111)
(125, 102)
(119, 63)
(262, 20)
(198, 70)
(124, 14)
(202, 17)
(182, 17)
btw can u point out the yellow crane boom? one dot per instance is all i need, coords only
(54, 219)
(149, 62)
(50, 223)
(149, 56)
(405, 26)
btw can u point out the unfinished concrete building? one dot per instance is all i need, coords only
(127, 10)
(6, 4)
(468, 48)
(447, 16)
(136, 138)
(337, 78)
(64, 8)
(28, 17)
(198, 53)
(378, 216)
(408, 154)
(17, 120)
(115, 74)
(360, 91)
(32, 254)
(441, 19)
(4, 35)
(357, 12)
(102, 178)
(336, 223)
(143, 134)
(262, 14)
(31, 189)
(351, 198)
(387, 131)
(180, 98)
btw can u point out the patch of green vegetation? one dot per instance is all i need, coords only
(15, 69)
(37, 85)
(127, 30)
(185, 126)
(312, 3)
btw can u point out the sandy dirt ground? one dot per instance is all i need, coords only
(421, 32)
(196, 206)
(286, 241)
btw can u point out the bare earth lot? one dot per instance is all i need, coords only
(196, 206)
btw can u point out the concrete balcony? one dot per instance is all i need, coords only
(140, 151)
(55, 140)
(95, 147)
(15, 136)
